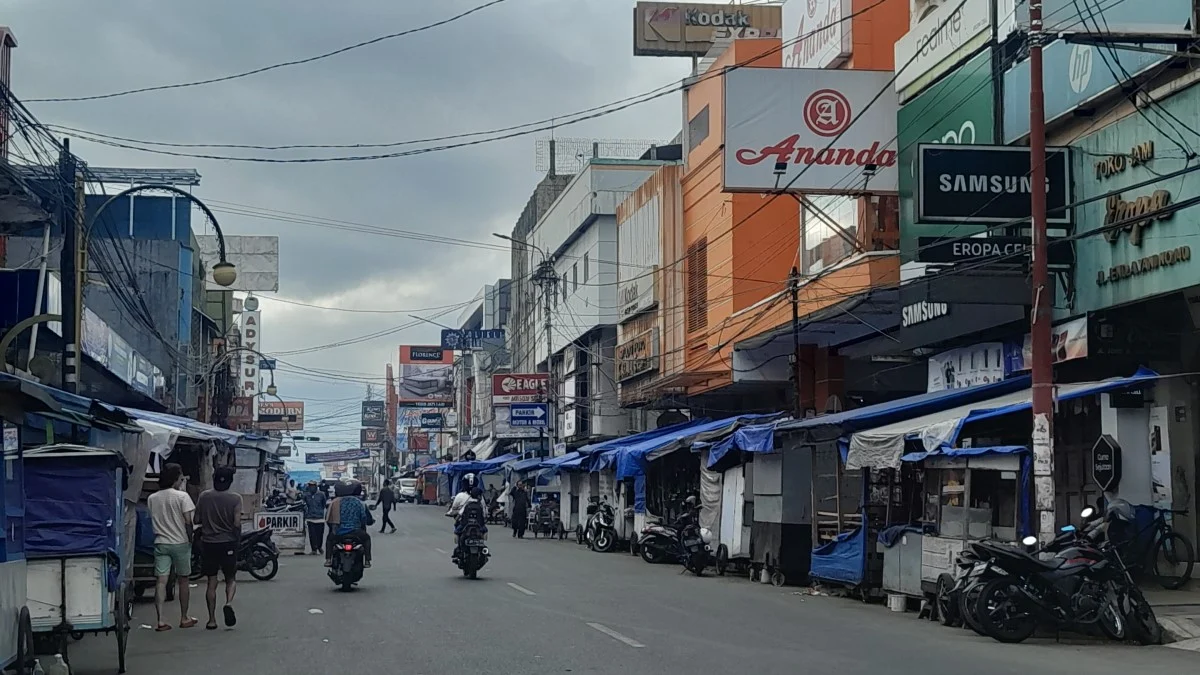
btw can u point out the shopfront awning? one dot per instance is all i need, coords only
(883, 446)
(830, 427)
(486, 466)
(572, 461)
(756, 438)
(604, 454)
(187, 427)
(524, 465)
(632, 460)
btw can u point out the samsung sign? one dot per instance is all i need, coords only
(921, 312)
(987, 184)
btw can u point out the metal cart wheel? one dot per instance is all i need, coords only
(121, 615)
(722, 559)
(777, 578)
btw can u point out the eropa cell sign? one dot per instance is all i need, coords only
(837, 140)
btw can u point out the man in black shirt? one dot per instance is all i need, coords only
(219, 515)
(386, 499)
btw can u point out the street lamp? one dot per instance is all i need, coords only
(546, 278)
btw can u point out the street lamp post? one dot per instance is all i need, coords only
(546, 279)
(69, 216)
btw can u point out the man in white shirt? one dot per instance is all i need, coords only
(470, 492)
(171, 510)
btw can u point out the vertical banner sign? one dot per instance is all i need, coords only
(248, 373)
(1160, 458)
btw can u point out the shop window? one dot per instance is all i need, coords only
(829, 225)
(975, 501)
(697, 286)
(587, 273)
(575, 277)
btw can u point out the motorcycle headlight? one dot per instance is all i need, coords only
(706, 535)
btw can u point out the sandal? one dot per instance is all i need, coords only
(188, 623)
(162, 628)
(210, 626)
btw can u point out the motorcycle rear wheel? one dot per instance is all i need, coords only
(650, 554)
(264, 564)
(604, 541)
(967, 600)
(998, 616)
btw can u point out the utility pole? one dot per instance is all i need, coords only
(1043, 368)
(69, 268)
(794, 291)
(546, 278)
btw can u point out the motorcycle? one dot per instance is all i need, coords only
(601, 531)
(685, 541)
(473, 552)
(1086, 585)
(347, 561)
(256, 554)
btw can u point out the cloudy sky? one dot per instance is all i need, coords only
(517, 62)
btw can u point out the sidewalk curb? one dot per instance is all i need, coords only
(1179, 629)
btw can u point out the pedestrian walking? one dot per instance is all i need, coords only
(219, 515)
(386, 500)
(520, 510)
(171, 511)
(315, 502)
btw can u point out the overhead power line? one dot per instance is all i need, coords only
(276, 66)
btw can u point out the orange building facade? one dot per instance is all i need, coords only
(739, 248)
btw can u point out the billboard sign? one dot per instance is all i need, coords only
(432, 420)
(374, 413)
(814, 131)
(241, 412)
(281, 415)
(504, 428)
(426, 377)
(691, 29)
(939, 41)
(519, 387)
(338, 456)
(256, 259)
(987, 184)
(1161, 17)
(463, 339)
(286, 522)
(822, 38)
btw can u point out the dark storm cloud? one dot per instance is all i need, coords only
(517, 62)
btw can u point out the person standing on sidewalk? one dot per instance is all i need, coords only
(386, 500)
(315, 502)
(219, 515)
(171, 511)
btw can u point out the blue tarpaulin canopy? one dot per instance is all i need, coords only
(572, 461)
(880, 414)
(632, 459)
(757, 438)
(484, 466)
(524, 465)
(884, 446)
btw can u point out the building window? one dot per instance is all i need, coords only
(697, 286)
(575, 276)
(586, 272)
(698, 129)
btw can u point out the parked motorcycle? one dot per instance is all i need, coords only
(256, 554)
(601, 531)
(683, 542)
(1085, 585)
(347, 561)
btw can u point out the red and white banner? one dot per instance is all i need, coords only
(810, 130)
(519, 387)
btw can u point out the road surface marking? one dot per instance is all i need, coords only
(441, 551)
(521, 589)
(616, 636)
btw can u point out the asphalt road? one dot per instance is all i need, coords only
(554, 607)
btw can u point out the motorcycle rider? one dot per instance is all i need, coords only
(349, 516)
(470, 493)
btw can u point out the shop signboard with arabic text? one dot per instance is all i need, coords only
(809, 130)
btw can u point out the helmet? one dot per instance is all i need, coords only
(346, 488)
(1121, 510)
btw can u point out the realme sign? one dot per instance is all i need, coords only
(688, 29)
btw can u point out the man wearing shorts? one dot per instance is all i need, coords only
(219, 515)
(171, 512)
